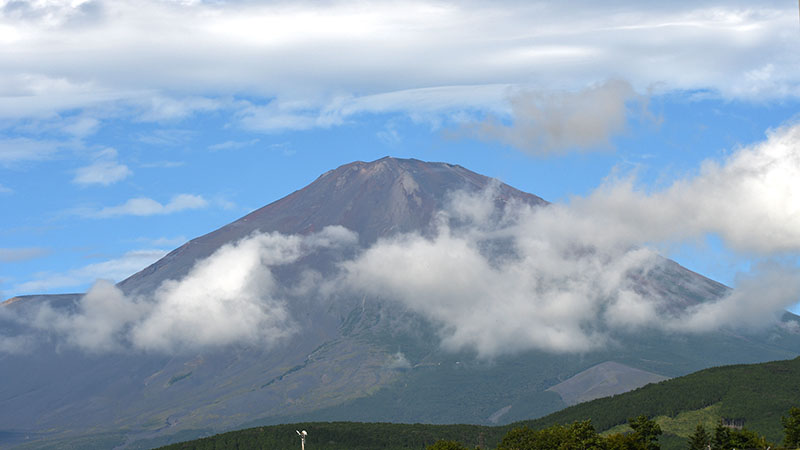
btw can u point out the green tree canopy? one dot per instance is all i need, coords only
(446, 445)
(646, 432)
(791, 428)
(722, 438)
(700, 439)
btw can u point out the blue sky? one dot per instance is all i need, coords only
(127, 128)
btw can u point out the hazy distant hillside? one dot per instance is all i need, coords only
(758, 393)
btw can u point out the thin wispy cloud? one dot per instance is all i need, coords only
(169, 242)
(106, 170)
(144, 206)
(115, 269)
(9, 255)
(364, 53)
(19, 149)
(163, 164)
(80, 127)
(233, 145)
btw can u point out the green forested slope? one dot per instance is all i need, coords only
(348, 436)
(758, 393)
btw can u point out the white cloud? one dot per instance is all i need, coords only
(548, 298)
(230, 297)
(105, 170)
(98, 323)
(156, 108)
(165, 241)
(102, 172)
(398, 361)
(5, 190)
(16, 344)
(143, 206)
(21, 254)
(233, 145)
(760, 298)
(750, 199)
(163, 164)
(338, 57)
(114, 269)
(17, 149)
(571, 282)
(81, 126)
(557, 122)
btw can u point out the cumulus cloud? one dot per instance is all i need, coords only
(230, 297)
(556, 122)
(750, 199)
(101, 317)
(760, 298)
(563, 278)
(571, 276)
(548, 296)
(143, 206)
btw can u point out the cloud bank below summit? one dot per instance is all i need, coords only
(559, 278)
(231, 297)
(569, 285)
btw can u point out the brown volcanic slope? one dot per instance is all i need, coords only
(375, 199)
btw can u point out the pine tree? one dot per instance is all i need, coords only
(646, 432)
(700, 440)
(722, 438)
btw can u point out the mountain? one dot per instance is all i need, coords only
(377, 199)
(84, 372)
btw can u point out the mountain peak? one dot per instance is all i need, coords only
(374, 199)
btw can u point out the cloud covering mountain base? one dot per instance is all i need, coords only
(495, 280)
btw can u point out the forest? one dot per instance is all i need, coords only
(761, 400)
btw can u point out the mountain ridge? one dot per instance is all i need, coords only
(402, 196)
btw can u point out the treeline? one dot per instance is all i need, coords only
(580, 435)
(758, 393)
(645, 436)
(348, 436)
